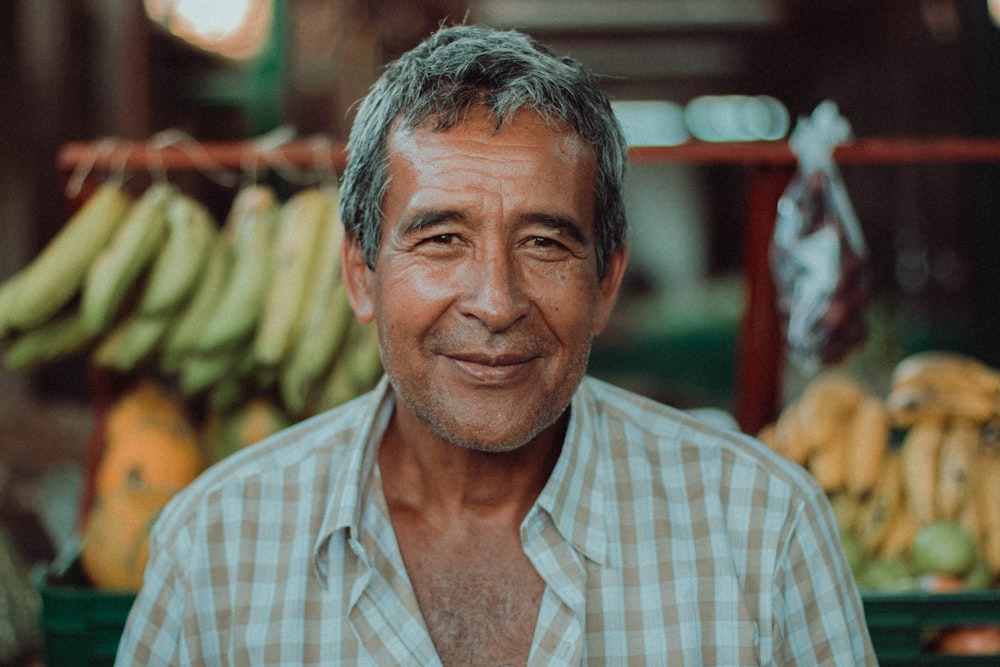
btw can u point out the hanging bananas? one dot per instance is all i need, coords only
(155, 284)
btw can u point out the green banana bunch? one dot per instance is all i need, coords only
(297, 248)
(131, 340)
(202, 370)
(356, 369)
(181, 261)
(115, 271)
(186, 328)
(8, 289)
(324, 320)
(250, 228)
(61, 335)
(41, 289)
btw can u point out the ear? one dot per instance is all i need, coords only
(607, 289)
(358, 279)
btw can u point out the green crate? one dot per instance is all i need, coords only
(81, 625)
(903, 625)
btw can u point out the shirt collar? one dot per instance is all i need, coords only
(369, 416)
(574, 496)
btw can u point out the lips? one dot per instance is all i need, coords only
(492, 368)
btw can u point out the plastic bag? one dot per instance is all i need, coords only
(818, 253)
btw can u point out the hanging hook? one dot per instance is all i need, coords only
(323, 160)
(84, 169)
(198, 154)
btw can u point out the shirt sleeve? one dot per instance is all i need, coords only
(155, 629)
(819, 618)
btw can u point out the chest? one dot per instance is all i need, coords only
(479, 605)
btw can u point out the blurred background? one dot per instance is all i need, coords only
(235, 70)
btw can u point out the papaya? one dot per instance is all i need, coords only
(149, 440)
(115, 544)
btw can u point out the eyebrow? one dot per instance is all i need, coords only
(559, 224)
(429, 219)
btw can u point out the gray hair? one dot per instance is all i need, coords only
(462, 66)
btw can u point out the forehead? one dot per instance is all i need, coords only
(526, 131)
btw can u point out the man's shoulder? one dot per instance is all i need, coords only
(688, 435)
(314, 451)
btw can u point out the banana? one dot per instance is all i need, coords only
(179, 265)
(768, 435)
(116, 269)
(185, 331)
(7, 292)
(960, 447)
(296, 248)
(317, 348)
(200, 371)
(910, 404)
(865, 442)
(876, 512)
(828, 464)
(988, 506)
(327, 317)
(251, 229)
(60, 336)
(788, 435)
(845, 509)
(918, 459)
(131, 341)
(55, 276)
(366, 358)
(227, 394)
(825, 406)
(945, 369)
(968, 516)
(354, 371)
(899, 535)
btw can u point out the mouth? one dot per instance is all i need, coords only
(492, 368)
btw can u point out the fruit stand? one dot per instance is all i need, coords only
(877, 456)
(194, 348)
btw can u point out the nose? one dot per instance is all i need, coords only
(493, 292)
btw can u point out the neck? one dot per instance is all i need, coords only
(430, 475)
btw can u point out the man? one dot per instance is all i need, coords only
(487, 504)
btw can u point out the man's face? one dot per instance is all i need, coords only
(485, 288)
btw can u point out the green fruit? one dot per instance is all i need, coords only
(943, 547)
(979, 576)
(887, 575)
(853, 550)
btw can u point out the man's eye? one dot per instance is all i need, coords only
(544, 242)
(441, 239)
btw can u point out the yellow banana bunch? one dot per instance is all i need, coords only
(866, 441)
(926, 452)
(828, 403)
(960, 448)
(987, 499)
(918, 459)
(943, 385)
(876, 514)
